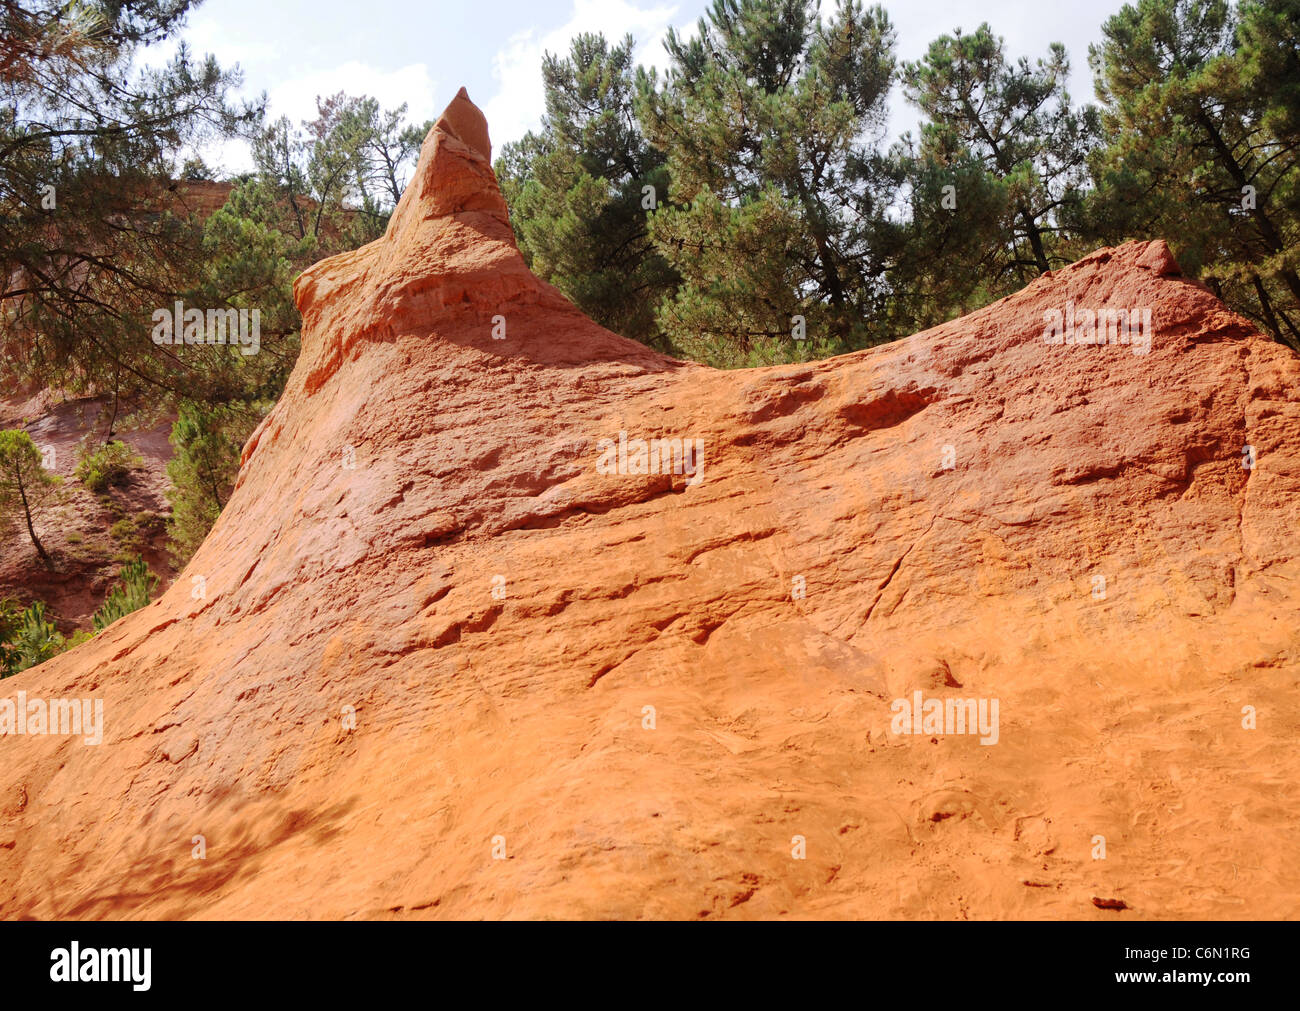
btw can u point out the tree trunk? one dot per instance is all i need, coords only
(112, 421)
(1266, 307)
(1263, 224)
(31, 531)
(1035, 236)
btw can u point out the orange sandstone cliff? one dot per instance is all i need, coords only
(449, 652)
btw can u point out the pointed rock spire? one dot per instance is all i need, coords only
(464, 120)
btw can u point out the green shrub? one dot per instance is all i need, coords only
(109, 464)
(32, 640)
(131, 594)
(208, 440)
(126, 533)
(79, 636)
(11, 616)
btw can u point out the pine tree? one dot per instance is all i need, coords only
(25, 485)
(1268, 60)
(1202, 145)
(771, 119)
(580, 191)
(132, 593)
(32, 640)
(947, 252)
(95, 237)
(1016, 121)
(207, 440)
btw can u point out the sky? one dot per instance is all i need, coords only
(420, 53)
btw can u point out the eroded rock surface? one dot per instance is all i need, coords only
(423, 532)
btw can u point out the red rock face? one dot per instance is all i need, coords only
(458, 648)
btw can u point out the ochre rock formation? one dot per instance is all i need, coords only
(408, 673)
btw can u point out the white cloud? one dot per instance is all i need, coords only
(519, 103)
(295, 97)
(293, 84)
(231, 42)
